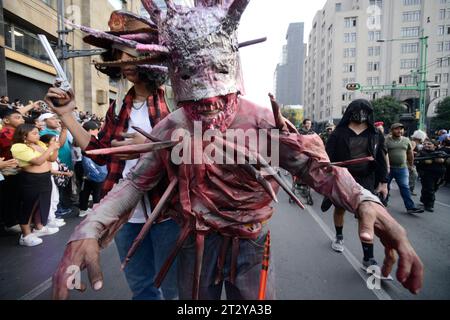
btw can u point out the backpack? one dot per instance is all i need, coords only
(94, 172)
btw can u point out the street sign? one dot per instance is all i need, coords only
(353, 86)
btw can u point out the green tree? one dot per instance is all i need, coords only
(294, 115)
(388, 110)
(442, 119)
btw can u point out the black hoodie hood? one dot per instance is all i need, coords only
(356, 106)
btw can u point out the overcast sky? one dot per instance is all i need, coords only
(270, 18)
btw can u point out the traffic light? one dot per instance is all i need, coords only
(417, 115)
(353, 86)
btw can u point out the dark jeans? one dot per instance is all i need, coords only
(430, 184)
(87, 188)
(78, 175)
(148, 259)
(10, 200)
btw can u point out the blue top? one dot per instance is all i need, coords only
(65, 152)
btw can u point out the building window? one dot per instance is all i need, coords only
(374, 35)
(350, 22)
(440, 46)
(51, 3)
(411, 2)
(24, 41)
(438, 78)
(117, 4)
(373, 66)
(378, 3)
(338, 7)
(413, 16)
(410, 32)
(408, 63)
(410, 47)
(349, 67)
(350, 37)
(349, 52)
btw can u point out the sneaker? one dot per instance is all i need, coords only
(338, 245)
(56, 224)
(63, 212)
(59, 220)
(45, 231)
(366, 264)
(13, 229)
(415, 210)
(30, 240)
(429, 209)
(84, 213)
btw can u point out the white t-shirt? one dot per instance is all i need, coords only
(139, 117)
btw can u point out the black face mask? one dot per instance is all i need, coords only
(360, 116)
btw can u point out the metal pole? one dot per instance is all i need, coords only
(3, 74)
(423, 80)
(62, 46)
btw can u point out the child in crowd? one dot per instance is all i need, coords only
(52, 220)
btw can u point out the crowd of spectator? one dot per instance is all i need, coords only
(43, 175)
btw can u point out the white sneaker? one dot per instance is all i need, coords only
(55, 224)
(338, 245)
(13, 229)
(84, 213)
(45, 231)
(30, 240)
(59, 220)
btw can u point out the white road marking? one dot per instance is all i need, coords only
(36, 292)
(381, 294)
(442, 204)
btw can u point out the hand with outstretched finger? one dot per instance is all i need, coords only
(375, 220)
(79, 255)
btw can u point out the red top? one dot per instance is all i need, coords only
(6, 136)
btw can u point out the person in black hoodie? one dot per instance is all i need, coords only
(430, 165)
(357, 137)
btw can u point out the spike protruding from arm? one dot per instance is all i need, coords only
(134, 148)
(162, 205)
(235, 11)
(170, 5)
(152, 9)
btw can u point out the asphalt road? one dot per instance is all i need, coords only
(306, 267)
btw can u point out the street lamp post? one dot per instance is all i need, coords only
(421, 85)
(423, 81)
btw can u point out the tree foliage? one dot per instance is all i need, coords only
(388, 110)
(294, 115)
(442, 119)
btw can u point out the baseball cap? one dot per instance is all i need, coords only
(46, 116)
(397, 125)
(379, 123)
